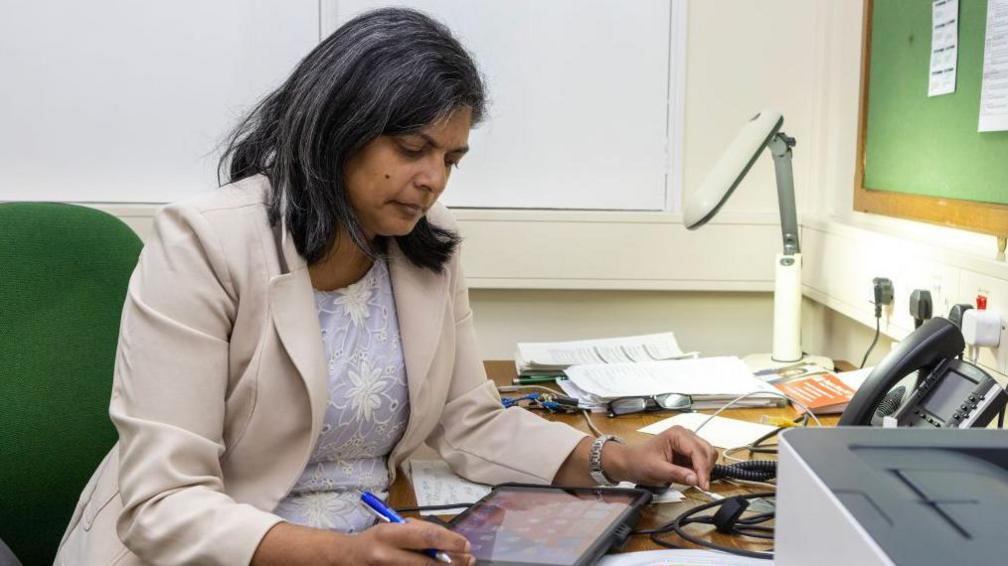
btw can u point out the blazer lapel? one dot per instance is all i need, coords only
(292, 307)
(420, 299)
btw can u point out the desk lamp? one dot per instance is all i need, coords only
(763, 130)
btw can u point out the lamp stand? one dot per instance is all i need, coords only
(787, 273)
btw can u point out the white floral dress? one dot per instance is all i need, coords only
(368, 406)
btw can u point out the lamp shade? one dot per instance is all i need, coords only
(735, 162)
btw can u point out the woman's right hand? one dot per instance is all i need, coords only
(388, 543)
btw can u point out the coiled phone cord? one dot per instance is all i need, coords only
(748, 470)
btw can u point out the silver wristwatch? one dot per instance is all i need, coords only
(595, 459)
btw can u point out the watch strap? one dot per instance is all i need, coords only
(595, 459)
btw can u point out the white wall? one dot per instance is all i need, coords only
(845, 250)
(551, 276)
(699, 319)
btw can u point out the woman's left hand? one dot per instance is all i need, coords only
(674, 456)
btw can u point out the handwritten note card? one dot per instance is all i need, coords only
(435, 484)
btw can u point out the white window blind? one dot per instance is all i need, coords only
(124, 101)
(583, 100)
(120, 101)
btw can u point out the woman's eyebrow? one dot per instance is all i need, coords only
(433, 143)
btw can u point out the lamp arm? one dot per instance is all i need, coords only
(780, 147)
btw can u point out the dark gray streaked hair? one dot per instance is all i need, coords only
(385, 72)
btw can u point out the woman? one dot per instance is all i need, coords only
(290, 339)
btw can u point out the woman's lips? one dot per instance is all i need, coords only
(409, 208)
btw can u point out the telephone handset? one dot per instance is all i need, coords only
(949, 392)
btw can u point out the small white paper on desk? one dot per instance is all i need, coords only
(685, 557)
(435, 484)
(855, 378)
(720, 431)
(994, 87)
(944, 46)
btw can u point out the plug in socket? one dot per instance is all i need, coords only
(981, 328)
(882, 289)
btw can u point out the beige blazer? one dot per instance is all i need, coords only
(220, 389)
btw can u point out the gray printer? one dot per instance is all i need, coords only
(865, 496)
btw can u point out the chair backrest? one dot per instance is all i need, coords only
(64, 270)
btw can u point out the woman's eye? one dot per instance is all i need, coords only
(411, 151)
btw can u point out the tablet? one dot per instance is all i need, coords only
(534, 524)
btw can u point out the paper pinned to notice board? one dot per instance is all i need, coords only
(994, 88)
(944, 46)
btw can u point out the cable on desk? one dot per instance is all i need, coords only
(591, 425)
(587, 416)
(748, 483)
(750, 394)
(728, 520)
(756, 446)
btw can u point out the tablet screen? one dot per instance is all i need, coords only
(527, 525)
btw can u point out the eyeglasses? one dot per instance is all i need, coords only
(664, 402)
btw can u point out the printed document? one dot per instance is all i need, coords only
(994, 87)
(944, 46)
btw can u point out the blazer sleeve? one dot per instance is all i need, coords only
(480, 439)
(168, 402)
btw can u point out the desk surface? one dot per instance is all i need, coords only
(401, 492)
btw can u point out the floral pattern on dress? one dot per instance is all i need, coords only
(367, 411)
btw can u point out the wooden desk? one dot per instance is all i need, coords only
(401, 492)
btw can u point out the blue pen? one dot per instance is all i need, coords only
(383, 513)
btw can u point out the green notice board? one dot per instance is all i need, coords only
(929, 146)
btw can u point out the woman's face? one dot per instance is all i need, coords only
(393, 180)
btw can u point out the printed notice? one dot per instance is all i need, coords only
(944, 46)
(994, 88)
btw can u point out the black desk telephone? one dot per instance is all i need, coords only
(949, 392)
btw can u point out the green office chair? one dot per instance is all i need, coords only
(63, 276)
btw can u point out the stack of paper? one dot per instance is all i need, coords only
(542, 357)
(710, 382)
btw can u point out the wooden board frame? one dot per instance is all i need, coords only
(987, 218)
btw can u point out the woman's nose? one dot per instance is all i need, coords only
(434, 176)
